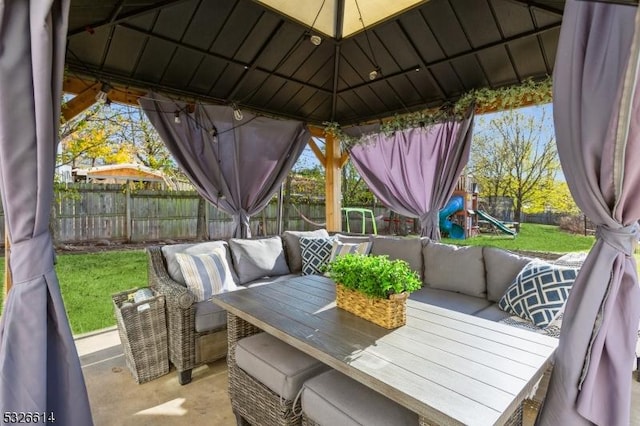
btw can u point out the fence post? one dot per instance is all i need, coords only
(127, 207)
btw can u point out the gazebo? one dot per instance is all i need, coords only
(355, 63)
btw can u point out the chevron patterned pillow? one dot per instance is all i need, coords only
(315, 253)
(539, 292)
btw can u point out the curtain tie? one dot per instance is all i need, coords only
(623, 239)
(22, 254)
(431, 217)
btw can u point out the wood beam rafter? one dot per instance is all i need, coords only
(86, 90)
(81, 101)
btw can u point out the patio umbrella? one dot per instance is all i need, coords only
(39, 368)
(596, 110)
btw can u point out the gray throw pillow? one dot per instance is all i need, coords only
(292, 246)
(407, 249)
(259, 258)
(501, 267)
(173, 268)
(454, 268)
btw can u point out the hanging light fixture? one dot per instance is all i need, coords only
(176, 117)
(237, 112)
(102, 95)
(315, 39)
(376, 72)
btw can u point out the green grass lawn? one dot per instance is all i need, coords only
(532, 237)
(87, 282)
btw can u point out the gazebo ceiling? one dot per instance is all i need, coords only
(426, 53)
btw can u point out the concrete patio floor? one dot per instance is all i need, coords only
(117, 400)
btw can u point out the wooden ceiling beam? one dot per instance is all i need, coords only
(81, 101)
(86, 90)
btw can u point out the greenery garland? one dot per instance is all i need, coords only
(485, 99)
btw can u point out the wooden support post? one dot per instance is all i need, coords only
(333, 184)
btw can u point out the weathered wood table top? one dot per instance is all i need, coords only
(446, 366)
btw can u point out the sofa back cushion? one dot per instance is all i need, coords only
(259, 258)
(501, 268)
(407, 249)
(454, 268)
(292, 245)
(173, 268)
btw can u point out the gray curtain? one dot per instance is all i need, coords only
(237, 165)
(414, 172)
(39, 367)
(596, 110)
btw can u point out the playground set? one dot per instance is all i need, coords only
(462, 218)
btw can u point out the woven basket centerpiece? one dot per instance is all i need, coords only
(388, 313)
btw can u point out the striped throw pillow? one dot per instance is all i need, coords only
(340, 248)
(206, 274)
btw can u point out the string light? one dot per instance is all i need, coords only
(176, 117)
(237, 113)
(101, 96)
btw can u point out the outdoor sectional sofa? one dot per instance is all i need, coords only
(466, 279)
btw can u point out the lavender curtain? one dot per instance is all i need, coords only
(596, 110)
(236, 165)
(39, 367)
(414, 172)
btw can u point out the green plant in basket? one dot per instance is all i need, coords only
(373, 276)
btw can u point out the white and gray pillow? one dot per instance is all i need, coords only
(206, 274)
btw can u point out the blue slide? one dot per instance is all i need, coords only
(456, 203)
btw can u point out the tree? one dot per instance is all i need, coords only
(354, 189)
(114, 134)
(515, 156)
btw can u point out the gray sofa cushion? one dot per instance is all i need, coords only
(408, 249)
(209, 316)
(502, 267)
(277, 365)
(454, 268)
(259, 258)
(292, 245)
(492, 313)
(332, 398)
(450, 300)
(173, 268)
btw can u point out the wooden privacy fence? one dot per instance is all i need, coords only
(90, 213)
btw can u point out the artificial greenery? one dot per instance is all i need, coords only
(374, 276)
(486, 100)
